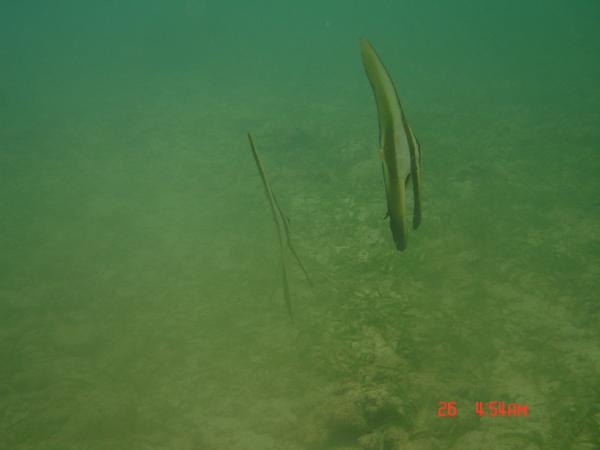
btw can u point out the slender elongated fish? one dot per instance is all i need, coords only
(282, 229)
(398, 147)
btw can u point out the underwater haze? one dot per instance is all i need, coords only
(141, 295)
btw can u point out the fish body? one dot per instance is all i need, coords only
(281, 223)
(399, 149)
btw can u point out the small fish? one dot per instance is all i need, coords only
(400, 151)
(282, 228)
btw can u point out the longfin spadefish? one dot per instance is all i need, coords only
(401, 153)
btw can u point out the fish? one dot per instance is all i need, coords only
(281, 222)
(399, 149)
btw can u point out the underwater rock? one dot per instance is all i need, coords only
(388, 439)
(381, 407)
(359, 415)
(371, 441)
(344, 417)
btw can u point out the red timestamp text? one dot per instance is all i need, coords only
(492, 409)
(496, 408)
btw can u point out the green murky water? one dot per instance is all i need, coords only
(140, 294)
